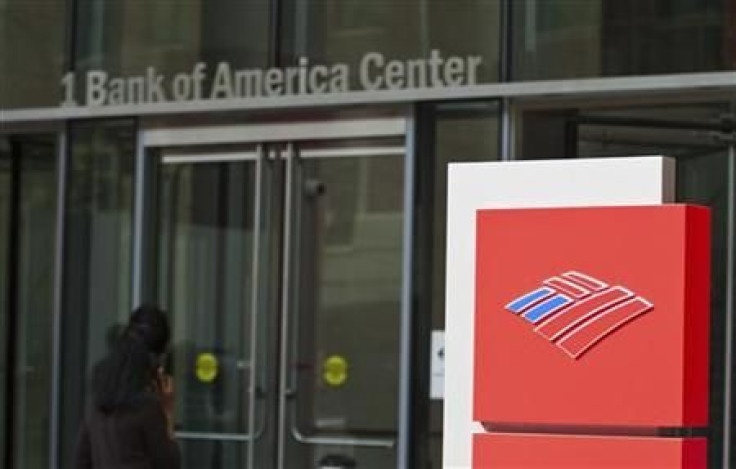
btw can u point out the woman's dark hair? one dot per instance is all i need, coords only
(127, 373)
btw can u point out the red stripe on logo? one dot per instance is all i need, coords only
(602, 326)
(567, 286)
(586, 281)
(571, 317)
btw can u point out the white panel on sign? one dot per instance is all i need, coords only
(520, 184)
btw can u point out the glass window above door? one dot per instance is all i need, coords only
(32, 53)
(590, 38)
(343, 31)
(126, 37)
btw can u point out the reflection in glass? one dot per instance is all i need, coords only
(343, 31)
(97, 258)
(31, 52)
(581, 38)
(205, 251)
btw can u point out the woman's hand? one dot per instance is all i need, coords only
(165, 389)
(167, 395)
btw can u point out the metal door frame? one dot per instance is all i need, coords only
(294, 131)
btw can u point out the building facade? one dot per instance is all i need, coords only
(273, 174)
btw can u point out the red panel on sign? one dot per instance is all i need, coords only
(593, 316)
(510, 451)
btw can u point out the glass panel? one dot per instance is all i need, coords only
(343, 31)
(31, 52)
(97, 257)
(348, 305)
(37, 232)
(581, 38)
(125, 38)
(205, 253)
(4, 235)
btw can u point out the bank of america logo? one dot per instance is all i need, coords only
(576, 311)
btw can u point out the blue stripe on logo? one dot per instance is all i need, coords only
(538, 312)
(522, 302)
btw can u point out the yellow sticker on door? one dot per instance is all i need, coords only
(206, 367)
(335, 370)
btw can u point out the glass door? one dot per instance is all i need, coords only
(343, 253)
(206, 235)
(281, 266)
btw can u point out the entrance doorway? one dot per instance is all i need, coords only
(279, 252)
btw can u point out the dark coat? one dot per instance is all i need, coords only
(127, 439)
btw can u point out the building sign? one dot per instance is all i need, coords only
(591, 318)
(373, 72)
(577, 316)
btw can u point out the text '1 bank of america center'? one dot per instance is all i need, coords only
(273, 174)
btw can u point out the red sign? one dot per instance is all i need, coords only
(593, 317)
(586, 452)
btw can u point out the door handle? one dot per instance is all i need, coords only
(386, 443)
(206, 436)
(256, 386)
(284, 390)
